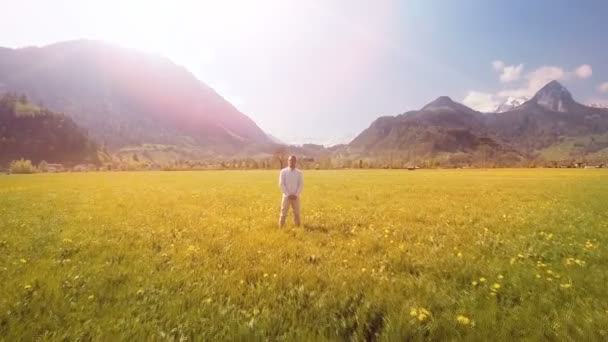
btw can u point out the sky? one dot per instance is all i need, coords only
(322, 70)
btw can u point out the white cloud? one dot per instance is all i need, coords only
(603, 88)
(511, 73)
(530, 83)
(583, 71)
(508, 73)
(498, 65)
(537, 78)
(483, 102)
(543, 75)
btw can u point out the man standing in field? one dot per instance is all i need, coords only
(291, 184)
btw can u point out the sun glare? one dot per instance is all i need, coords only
(158, 22)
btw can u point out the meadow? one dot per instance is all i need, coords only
(387, 255)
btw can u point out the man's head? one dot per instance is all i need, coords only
(292, 161)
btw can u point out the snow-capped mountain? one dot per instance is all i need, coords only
(598, 105)
(510, 103)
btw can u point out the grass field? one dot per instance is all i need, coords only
(386, 255)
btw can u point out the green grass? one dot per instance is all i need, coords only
(198, 256)
(570, 147)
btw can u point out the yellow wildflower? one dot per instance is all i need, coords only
(421, 314)
(500, 276)
(23, 261)
(474, 283)
(565, 286)
(463, 320)
(496, 286)
(482, 280)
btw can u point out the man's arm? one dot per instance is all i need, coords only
(282, 184)
(300, 184)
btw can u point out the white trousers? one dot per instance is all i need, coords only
(295, 205)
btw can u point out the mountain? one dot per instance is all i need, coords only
(598, 105)
(510, 103)
(441, 127)
(444, 127)
(34, 133)
(127, 98)
(551, 116)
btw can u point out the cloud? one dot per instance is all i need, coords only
(603, 88)
(537, 78)
(508, 73)
(529, 83)
(583, 71)
(498, 65)
(543, 75)
(483, 102)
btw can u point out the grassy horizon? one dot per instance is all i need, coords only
(383, 255)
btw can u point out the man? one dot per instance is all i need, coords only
(291, 184)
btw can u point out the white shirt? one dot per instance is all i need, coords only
(290, 181)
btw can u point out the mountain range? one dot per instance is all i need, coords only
(135, 103)
(127, 98)
(531, 130)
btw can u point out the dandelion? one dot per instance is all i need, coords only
(579, 262)
(565, 286)
(482, 280)
(589, 245)
(27, 287)
(520, 256)
(191, 248)
(538, 276)
(423, 314)
(474, 283)
(459, 255)
(265, 275)
(500, 276)
(363, 269)
(462, 319)
(91, 297)
(23, 261)
(496, 286)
